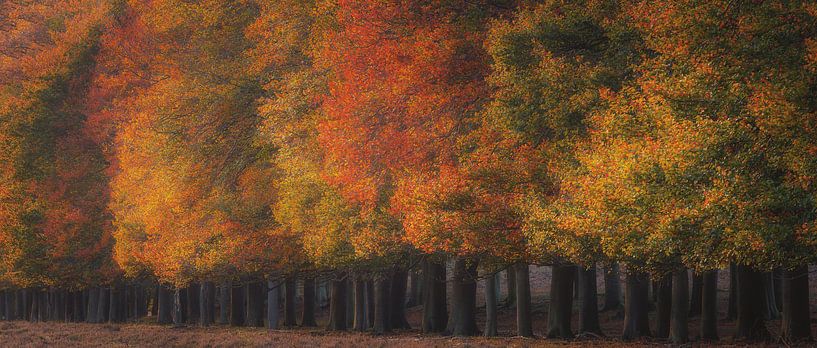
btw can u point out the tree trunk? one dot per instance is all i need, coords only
(103, 309)
(521, 272)
(636, 307)
(44, 304)
(178, 310)
(77, 315)
(415, 290)
(370, 303)
(382, 304)
(184, 303)
(695, 295)
(612, 288)
(289, 301)
(3, 305)
(337, 303)
(397, 310)
(751, 303)
(665, 305)
(680, 299)
(777, 278)
(208, 304)
(510, 275)
(771, 304)
(350, 302)
(732, 306)
(709, 306)
(273, 287)
(192, 314)
(93, 303)
(154, 308)
(237, 306)
(589, 312)
(796, 326)
(255, 304)
(360, 322)
(561, 301)
(165, 306)
(11, 306)
(308, 313)
(490, 305)
(34, 309)
(205, 304)
(435, 311)
(224, 303)
(465, 297)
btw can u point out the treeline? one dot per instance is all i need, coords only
(203, 147)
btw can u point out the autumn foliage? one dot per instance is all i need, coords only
(184, 142)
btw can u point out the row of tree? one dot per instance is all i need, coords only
(250, 142)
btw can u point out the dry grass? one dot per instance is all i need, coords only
(24, 334)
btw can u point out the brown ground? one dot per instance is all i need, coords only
(23, 334)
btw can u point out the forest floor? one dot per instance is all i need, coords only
(147, 333)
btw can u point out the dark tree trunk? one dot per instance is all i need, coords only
(397, 310)
(465, 298)
(103, 309)
(664, 307)
(524, 326)
(3, 305)
(44, 304)
(415, 292)
(709, 306)
(22, 304)
(337, 303)
(370, 302)
(164, 303)
(771, 304)
(350, 302)
(183, 304)
(93, 303)
(382, 304)
(178, 310)
(612, 288)
(490, 305)
(34, 309)
(777, 278)
(224, 303)
(796, 325)
(589, 312)
(154, 306)
(636, 307)
(77, 315)
(273, 287)
(751, 303)
(360, 322)
(680, 299)
(510, 274)
(290, 318)
(561, 301)
(192, 304)
(435, 311)
(237, 306)
(142, 299)
(732, 306)
(695, 295)
(255, 304)
(206, 304)
(11, 306)
(308, 313)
